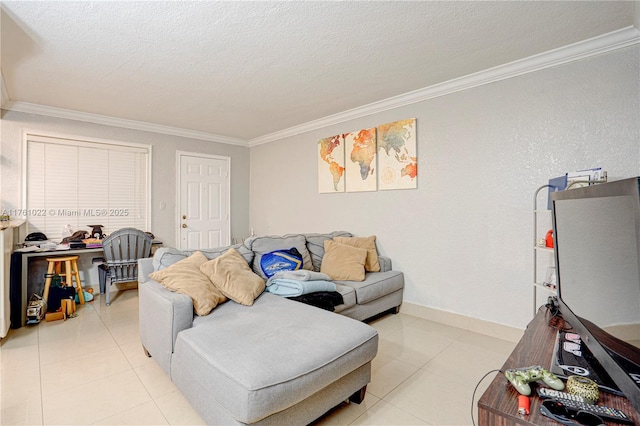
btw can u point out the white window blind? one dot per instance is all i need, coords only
(83, 183)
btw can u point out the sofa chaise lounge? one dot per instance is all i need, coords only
(277, 361)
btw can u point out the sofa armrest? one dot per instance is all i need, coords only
(145, 267)
(385, 263)
(163, 314)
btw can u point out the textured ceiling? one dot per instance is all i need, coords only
(246, 69)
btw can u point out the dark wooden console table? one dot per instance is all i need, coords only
(499, 404)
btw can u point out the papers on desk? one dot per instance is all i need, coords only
(27, 249)
(53, 247)
(43, 247)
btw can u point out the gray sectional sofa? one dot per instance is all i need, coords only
(275, 362)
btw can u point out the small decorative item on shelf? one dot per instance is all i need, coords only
(549, 238)
(550, 279)
(4, 221)
(96, 231)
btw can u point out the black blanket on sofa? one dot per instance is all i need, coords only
(327, 300)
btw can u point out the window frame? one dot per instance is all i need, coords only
(83, 141)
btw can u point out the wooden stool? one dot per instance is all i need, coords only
(70, 270)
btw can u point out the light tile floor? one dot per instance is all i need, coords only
(92, 370)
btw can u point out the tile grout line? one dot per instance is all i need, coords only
(365, 411)
(133, 369)
(42, 422)
(419, 369)
(97, 312)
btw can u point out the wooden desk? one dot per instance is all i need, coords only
(19, 283)
(18, 292)
(499, 404)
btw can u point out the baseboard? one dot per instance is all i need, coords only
(94, 288)
(488, 328)
(119, 286)
(127, 286)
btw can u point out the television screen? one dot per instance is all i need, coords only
(597, 249)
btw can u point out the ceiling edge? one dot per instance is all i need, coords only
(119, 122)
(583, 49)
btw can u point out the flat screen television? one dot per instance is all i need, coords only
(596, 233)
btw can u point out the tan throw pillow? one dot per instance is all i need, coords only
(343, 262)
(369, 243)
(231, 274)
(185, 277)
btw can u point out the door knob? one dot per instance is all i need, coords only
(184, 225)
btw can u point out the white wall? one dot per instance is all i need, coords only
(164, 149)
(464, 237)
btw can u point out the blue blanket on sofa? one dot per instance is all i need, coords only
(289, 288)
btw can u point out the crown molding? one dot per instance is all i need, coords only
(573, 52)
(120, 122)
(584, 49)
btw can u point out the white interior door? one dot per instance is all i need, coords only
(203, 208)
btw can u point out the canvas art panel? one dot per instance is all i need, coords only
(360, 163)
(397, 156)
(331, 164)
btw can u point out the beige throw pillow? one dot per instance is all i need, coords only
(231, 274)
(368, 243)
(343, 262)
(185, 277)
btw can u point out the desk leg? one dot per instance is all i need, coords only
(25, 272)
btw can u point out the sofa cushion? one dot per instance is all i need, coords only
(288, 352)
(231, 274)
(367, 243)
(348, 297)
(185, 277)
(375, 285)
(167, 256)
(264, 244)
(343, 262)
(315, 245)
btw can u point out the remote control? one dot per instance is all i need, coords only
(547, 393)
(606, 413)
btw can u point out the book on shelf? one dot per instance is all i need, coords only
(92, 242)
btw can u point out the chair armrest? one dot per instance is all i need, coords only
(385, 263)
(163, 314)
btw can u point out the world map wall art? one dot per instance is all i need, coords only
(367, 160)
